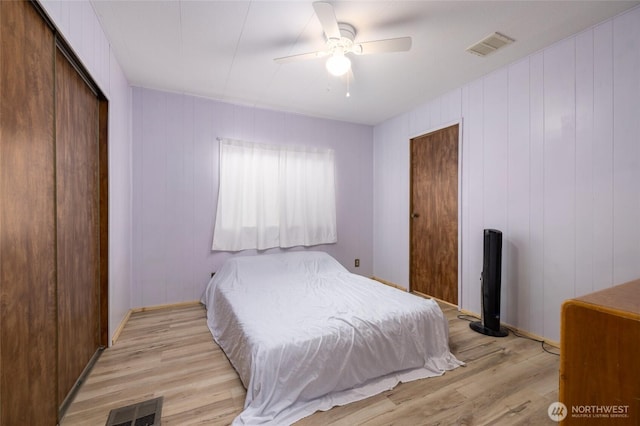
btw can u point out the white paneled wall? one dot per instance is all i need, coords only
(79, 25)
(120, 190)
(472, 194)
(518, 206)
(626, 147)
(602, 164)
(551, 157)
(559, 183)
(391, 202)
(175, 186)
(536, 302)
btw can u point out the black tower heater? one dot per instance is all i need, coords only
(491, 277)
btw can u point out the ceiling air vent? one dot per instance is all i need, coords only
(146, 413)
(490, 44)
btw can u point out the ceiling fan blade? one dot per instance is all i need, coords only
(327, 18)
(300, 57)
(401, 44)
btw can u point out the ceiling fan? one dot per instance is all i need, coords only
(340, 39)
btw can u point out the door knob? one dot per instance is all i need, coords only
(414, 215)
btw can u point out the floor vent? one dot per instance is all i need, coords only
(146, 413)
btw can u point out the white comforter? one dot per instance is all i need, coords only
(304, 334)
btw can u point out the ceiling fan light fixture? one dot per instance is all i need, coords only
(338, 64)
(339, 39)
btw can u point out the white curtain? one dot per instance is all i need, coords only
(274, 196)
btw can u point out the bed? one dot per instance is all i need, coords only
(304, 334)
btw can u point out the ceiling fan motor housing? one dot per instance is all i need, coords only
(345, 42)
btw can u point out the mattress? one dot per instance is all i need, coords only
(304, 334)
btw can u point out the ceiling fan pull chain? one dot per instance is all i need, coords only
(348, 95)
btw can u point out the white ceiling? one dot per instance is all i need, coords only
(224, 50)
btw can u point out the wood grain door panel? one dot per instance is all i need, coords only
(27, 219)
(78, 224)
(434, 214)
(53, 218)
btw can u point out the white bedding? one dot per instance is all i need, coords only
(304, 334)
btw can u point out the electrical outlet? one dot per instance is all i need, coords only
(357, 263)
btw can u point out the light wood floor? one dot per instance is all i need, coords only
(170, 352)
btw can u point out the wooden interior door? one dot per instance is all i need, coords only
(78, 223)
(27, 219)
(434, 214)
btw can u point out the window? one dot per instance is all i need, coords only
(274, 196)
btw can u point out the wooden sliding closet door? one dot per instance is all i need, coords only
(78, 223)
(27, 219)
(53, 219)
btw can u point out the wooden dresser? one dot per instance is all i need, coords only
(600, 357)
